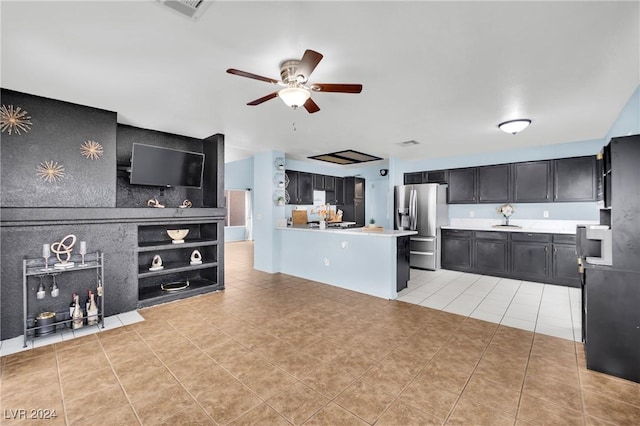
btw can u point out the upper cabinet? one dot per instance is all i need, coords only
(494, 184)
(574, 179)
(318, 182)
(430, 176)
(462, 186)
(532, 182)
(561, 180)
(300, 187)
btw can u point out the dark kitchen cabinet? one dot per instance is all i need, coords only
(565, 264)
(412, 178)
(435, 176)
(339, 192)
(612, 329)
(532, 182)
(491, 252)
(402, 268)
(329, 183)
(457, 249)
(429, 176)
(574, 179)
(354, 196)
(530, 255)
(300, 187)
(318, 182)
(462, 186)
(494, 184)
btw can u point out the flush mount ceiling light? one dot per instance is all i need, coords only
(514, 126)
(294, 96)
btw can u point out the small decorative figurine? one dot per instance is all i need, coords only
(153, 202)
(60, 247)
(156, 263)
(186, 204)
(177, 235)
(196, 258)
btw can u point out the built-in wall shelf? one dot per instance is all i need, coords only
(196, 242)
(151, 296)
(153, 240)
(174, 267)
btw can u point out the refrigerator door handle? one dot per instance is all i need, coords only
(423, 253)
(413, 214)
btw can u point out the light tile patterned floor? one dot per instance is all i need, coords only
(278, 350)
(544, 308)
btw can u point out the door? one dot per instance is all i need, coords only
(574, 179)
(462, 186)
(424, 208)
(494, 184)
(532, 182)
(401, 198)
(358, 212)
(529, 260)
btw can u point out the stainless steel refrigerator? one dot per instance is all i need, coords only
(422, 208)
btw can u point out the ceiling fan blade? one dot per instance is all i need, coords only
(250, 75)
(338, 88)
(311, 106)
(308, 63)
(263, 99)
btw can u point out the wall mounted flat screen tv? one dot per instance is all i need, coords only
(158, 166)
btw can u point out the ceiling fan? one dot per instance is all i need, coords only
(296, 90)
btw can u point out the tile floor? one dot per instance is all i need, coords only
(544, 308)
(274, 349)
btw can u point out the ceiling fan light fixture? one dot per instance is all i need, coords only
(294, 96)
(514, 126)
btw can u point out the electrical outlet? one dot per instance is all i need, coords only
(472, 213)
(545, 213)
(344, 244)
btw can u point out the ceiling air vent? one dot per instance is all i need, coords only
(190, 8)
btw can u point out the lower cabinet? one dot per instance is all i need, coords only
(402, 267)
(611, 298)
(540, 257)
(491, 252)
(529, 260)
(456, 249)
(565, 267)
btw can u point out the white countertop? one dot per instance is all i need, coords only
(530, 226)
(388, 233)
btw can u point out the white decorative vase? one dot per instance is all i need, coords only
(323, 224)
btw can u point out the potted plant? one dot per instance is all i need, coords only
(372, 223)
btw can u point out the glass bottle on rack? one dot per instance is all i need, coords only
(99, 295)
(72, 305)
(92, 310)
(77, 317)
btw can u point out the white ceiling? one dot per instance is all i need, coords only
(442, 73)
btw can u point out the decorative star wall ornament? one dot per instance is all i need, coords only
(50, 171)
(91, 149)
(14, 120)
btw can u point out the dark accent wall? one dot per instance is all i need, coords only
(57, 131)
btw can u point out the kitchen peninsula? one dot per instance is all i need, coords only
(358, 259)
